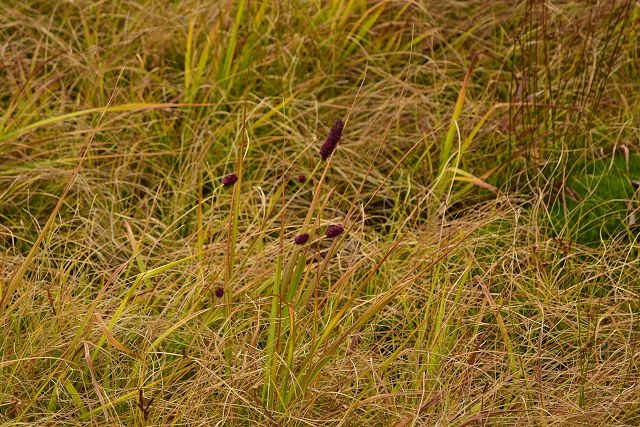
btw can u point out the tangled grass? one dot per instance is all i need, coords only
(469, 252)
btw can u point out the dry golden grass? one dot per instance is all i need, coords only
(466, 290)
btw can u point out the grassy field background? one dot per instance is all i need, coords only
(488, 273)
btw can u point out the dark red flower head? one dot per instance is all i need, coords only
(229, 180)
(219, 292)
(301, 239)
(302, 178)
(334, 231)
(332, 140)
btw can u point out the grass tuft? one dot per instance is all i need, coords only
(184, 241)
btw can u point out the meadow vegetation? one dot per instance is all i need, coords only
(472, 252)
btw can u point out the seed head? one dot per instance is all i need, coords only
(301, 239)
(229, 180)
(332, 140)
(302, 178)
(219, 292)
(334, 231)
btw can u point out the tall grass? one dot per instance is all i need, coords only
(483, 144)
